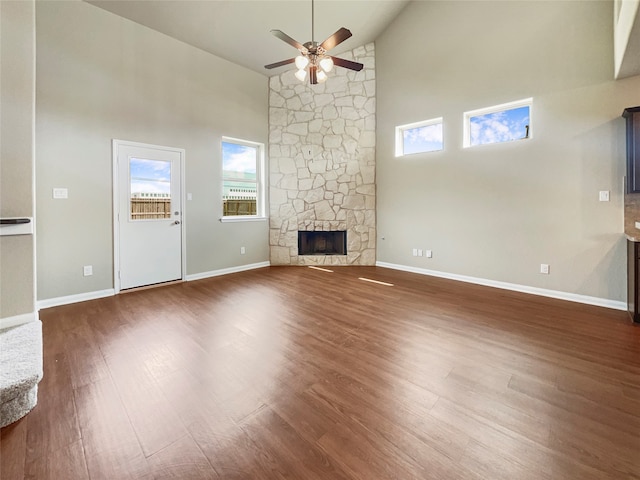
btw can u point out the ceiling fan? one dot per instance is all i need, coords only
(313, 56)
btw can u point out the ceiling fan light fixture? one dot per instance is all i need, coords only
(301, 62)
(301, 75)
(313, 59)
(326, 64)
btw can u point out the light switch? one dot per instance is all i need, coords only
(604, 195)
(60, 193)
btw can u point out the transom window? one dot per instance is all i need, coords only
(419, 137)
(242, 179)
(497, 124)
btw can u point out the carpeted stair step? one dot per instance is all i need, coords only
(20, 370)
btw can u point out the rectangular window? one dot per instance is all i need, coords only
(497, 124)
(419, 137)
(150, 189)
(242, 179)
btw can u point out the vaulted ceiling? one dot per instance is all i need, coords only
(239, 30)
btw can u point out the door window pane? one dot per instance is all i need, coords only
(150, 187)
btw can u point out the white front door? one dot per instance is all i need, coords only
(148, 214)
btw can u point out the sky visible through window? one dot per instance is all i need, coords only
(150, 176)
(239, 161)
(427, 138)
(239, 179)
(503, 126)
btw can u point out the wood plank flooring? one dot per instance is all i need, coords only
(291, 372)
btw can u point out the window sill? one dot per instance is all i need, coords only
(240, 218)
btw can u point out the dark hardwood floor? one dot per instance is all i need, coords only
(291, 372)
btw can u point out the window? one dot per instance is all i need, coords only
(419, 137)
(150, 189)
(501, 123)
(242, 179)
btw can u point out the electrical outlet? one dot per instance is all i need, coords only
(415, 252)
(88, 270)
(604, 195)
(544, 268)
(428, 254)
(419, 252)
(243, 250)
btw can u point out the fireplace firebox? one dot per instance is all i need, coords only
(322, 243)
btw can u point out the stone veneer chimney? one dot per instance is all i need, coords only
(322, 162)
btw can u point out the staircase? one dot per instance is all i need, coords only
(20, 370)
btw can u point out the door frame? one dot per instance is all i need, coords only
(116, 144)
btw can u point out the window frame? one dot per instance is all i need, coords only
(467, 116)
(400, 129)
(261, 207)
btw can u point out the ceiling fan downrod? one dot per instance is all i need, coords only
(313, 36)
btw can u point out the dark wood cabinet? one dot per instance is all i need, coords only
(632, 116)
(633, 282)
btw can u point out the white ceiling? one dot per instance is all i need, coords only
(238, 30)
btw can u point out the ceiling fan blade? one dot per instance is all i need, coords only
(286, 38)
(335, 39)
(279, 64)
(341, 62)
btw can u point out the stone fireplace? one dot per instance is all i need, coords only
(322, 163)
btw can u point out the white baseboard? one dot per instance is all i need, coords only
(225, 271)
(16, 320)
(543, 292)
(80, 297)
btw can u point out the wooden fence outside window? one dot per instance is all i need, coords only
(239, 207)
(150, 208)
(154, 208)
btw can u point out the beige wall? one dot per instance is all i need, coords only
(497, 212)
(102, 77)
(17, 55)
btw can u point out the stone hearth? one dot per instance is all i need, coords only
(322, 162)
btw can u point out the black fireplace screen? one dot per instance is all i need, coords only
(322, 243)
